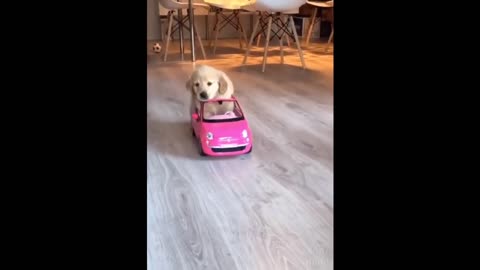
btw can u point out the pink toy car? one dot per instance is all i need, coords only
(226, 134)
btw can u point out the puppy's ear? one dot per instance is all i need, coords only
(224, 83)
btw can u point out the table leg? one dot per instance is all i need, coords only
(192, 22)
(180, 33)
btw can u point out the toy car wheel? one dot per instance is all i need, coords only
(193, 132)
(202, 153)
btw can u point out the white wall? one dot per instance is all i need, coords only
(153, 24)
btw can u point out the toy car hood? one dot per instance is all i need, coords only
(226, 129)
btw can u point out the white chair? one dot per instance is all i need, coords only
(173, 7)
(275, 11)
(314, 20)
(228, 13)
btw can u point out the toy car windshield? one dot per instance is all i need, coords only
(223, 114)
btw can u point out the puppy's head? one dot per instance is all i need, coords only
(208, 83)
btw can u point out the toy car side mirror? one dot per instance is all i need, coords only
(195, 116)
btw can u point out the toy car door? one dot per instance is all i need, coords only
(196, 120)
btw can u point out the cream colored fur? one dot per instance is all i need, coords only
(207, 83)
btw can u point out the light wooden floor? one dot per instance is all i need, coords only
(272, 209)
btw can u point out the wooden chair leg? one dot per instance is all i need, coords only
(254, 31)
(259, 38)
(281, 49)
(329, 40)
(169, 33)
(281, 41)
(200, 42)
(212, 34)
(242, 31)
(288, 39)
(216, 36)
(300, 52)
(267, 39)
(310, 27)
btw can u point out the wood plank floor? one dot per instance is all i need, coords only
(272, 209)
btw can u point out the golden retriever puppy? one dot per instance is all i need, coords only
(207, 83)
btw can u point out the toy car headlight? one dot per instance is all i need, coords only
(244, 133)
(209, 136)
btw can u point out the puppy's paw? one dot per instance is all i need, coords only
(208, 114)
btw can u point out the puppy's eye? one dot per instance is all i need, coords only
(209, 83)
(197, 84)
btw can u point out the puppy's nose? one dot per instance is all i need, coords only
(204, 95)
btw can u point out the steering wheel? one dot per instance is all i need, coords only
(230, 113)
